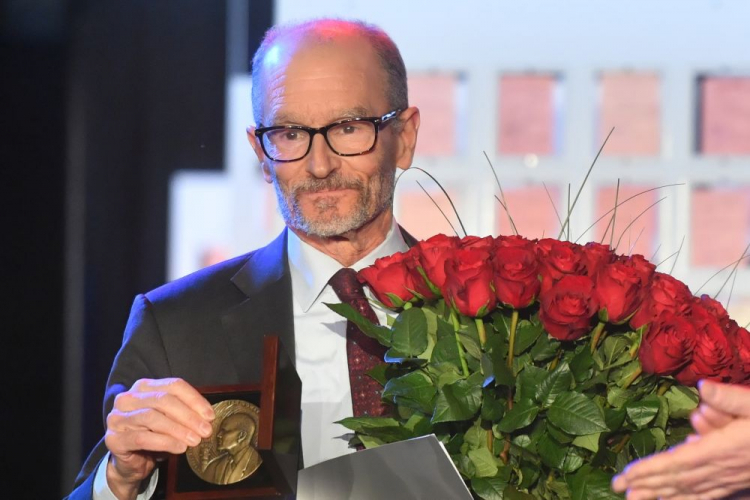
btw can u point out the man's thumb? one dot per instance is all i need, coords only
(729, 398)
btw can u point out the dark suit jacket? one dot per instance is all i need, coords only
(206, 328)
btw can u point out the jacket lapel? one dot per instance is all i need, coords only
(267, 310)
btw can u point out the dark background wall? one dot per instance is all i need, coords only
(101, 102)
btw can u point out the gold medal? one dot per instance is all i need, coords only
(229, 454)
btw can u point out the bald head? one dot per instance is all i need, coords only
(282, 42)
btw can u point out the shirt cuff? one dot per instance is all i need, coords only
(101, 488)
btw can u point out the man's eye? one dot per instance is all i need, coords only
(290, 135)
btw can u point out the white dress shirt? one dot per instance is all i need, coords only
(320, 351)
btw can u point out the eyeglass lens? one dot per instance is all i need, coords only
(345, 138)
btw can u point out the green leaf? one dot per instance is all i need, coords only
(640, 413)
(490, 488)
(660, 439)
(663, 416)
(682, 401)
(380, 333)
(410, 332)
(545, 348)
(483, 461)
(523, 413)
(419, 425)
(526, 335)
(677, 435)
(558, 435)
(476, 437)
(501, 323)
(471, 344)
(551, 452)
(528, 381)
(414, 390)
(574, 460)
(446, 349)
(614, 418)
(459, 401)
(369, 441)
(511, 493)
(590, 484)
(379, 373)
(624, 375)
(642, 443)
(554, 383)
(386, 429)
(581, 364)
(497, 349)
(612, 347)
(493, 407)
(588, 442)
(618, 397)
(576, 414)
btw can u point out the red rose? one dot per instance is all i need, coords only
(516, 276)
(513, 240)
(477, 243)
(643, 267)
(667, 346)
(420, 286)
(557, 259)
(432, 254)
(713, 357)
(714, 307)
(619, 290)
(740, 339)
(390, 275)
(567, 307)
(468, 278)
(596, 255)
(665, 294)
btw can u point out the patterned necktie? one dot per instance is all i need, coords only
(363, 352)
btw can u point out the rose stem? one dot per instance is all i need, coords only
(598, 331)
(481, 330)
(461, 355)
(632, 378)
(619, 446)
(512, 339)
(664, 387)
(407, 306)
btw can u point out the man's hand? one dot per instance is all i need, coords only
(153, 417)
(714, 463)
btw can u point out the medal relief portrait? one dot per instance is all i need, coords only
(229, 455)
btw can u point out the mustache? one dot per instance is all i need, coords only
(329, 183)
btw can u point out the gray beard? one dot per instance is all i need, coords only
(326, 222)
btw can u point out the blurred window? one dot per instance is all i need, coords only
(630, 103)
(419, 215)
(724, 123)
(719, 225)
(531, 210)
(641, 237)
(529, 115)
(439, 98)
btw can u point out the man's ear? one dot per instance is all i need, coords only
(407, 137)
(258, 149)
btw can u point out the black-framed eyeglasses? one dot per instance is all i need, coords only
(348, 137)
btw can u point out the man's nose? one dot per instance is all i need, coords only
(321, 160)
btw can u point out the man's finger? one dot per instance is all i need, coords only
(181, 389)
(142, 440)
(149, 419)
(167, 404)
(729, 398)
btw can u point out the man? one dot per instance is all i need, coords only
(713, 463)
(237, 458)
(330, 101)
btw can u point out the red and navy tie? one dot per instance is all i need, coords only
(363, 352)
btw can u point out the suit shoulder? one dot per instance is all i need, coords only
(204, 282)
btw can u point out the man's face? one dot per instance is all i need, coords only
(231, 433)
(324, 194)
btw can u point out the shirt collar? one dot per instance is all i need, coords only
(311, 269)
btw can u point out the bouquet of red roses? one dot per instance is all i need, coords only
(543, 366)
